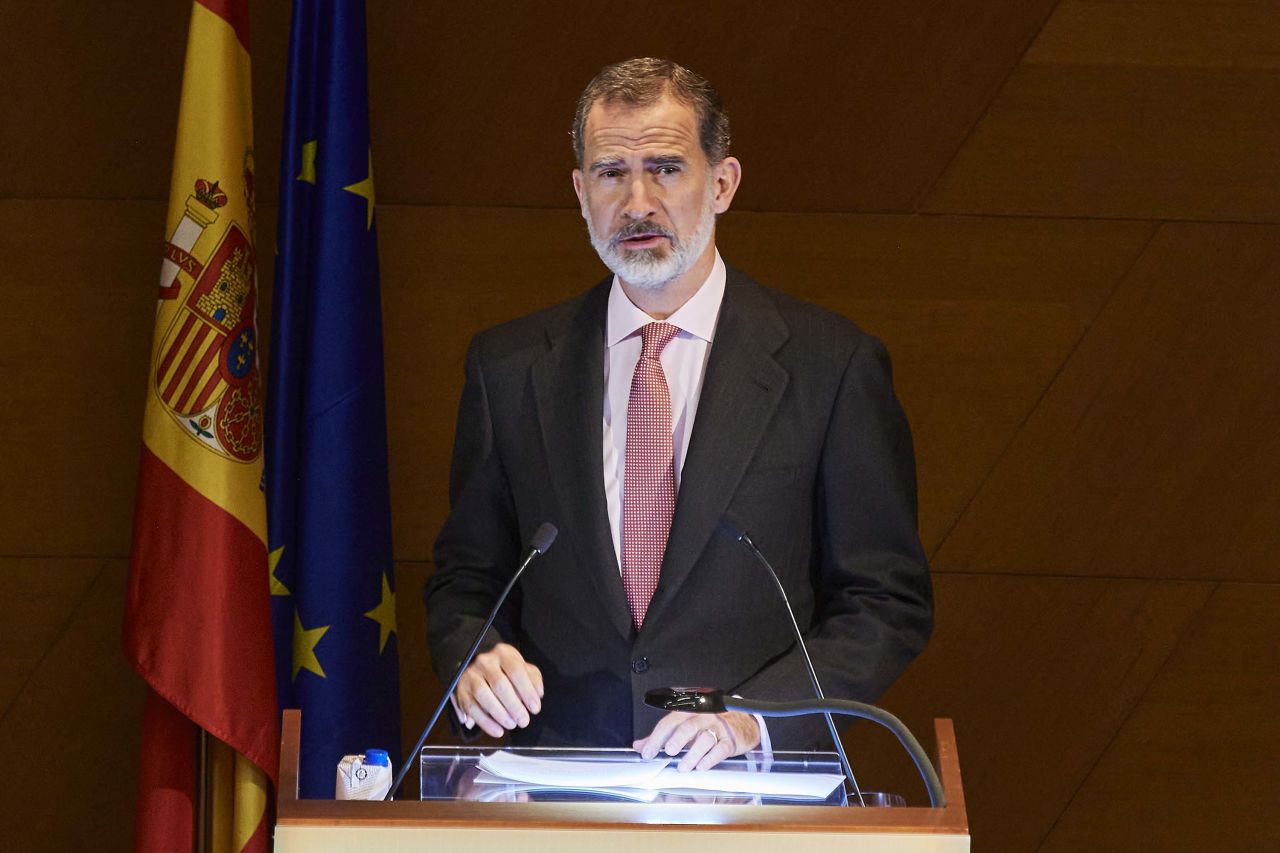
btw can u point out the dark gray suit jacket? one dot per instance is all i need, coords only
(798, 438)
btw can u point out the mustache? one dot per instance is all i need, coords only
(639, 229)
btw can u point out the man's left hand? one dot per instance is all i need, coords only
(709, 738)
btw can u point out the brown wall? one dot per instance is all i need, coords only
(1062, 217)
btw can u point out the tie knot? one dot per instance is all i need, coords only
(655, 338)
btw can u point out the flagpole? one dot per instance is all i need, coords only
(202, 793)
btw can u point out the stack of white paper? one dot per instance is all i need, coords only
(653, 775)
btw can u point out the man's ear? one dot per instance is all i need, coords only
(577, 188)
(728, 175)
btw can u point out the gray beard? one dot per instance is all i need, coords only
(652, 269)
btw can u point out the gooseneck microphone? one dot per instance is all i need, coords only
(539, 543)
(703, 700)
(731, 530)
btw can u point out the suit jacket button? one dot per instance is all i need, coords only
(640, 665)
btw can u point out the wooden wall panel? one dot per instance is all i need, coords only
(949, 354)
(90, 106)
(933, 258)
(845, 107)
(1155, 453)
(1037, 673)
(876, 97)
(1160, 33)
(1148, 110)
(91, 97)
(1195, 766)
(40, 598)
(79, 281)
(75, 731)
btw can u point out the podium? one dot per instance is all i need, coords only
(403, 825)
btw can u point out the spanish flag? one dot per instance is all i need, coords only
(197, 621)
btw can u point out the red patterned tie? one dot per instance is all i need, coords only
(649, 483)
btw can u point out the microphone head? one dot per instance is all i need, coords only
(728, 528)
(696, 700)
(543, 537)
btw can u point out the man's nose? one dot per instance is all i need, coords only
(640, 201)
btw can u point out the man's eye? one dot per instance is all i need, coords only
(668, 170)
(609, 173)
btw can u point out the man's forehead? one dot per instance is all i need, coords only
(668, 123)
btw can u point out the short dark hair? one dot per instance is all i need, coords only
(641, 82)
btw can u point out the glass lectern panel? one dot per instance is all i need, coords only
(455, 773)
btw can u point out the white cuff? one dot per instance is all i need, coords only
(766, 745)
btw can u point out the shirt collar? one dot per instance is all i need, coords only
(697, 316)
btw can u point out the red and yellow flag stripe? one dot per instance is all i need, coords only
(197, 623)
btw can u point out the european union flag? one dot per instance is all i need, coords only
(328, 503)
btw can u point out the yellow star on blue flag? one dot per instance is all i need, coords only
(304, 647)
(364, 189)
(325, 444)
(384, 614)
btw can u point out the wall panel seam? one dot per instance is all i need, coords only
(1173, 649)
(72, 614)
(1013, 435)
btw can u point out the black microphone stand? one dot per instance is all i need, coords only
(542, 539)
(731, 530)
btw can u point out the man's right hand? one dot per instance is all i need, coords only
(499, 691)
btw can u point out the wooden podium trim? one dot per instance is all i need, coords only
(291, 811)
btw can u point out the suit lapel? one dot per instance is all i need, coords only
(742, 387)
(568, 386)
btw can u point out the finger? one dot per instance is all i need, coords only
(489, 702)
(535, 676)
(649, 746)
(481, 718)
(641, 745)
(465, 694)
(511, 701)
(722, 750)
(702, 743)
(518, 675)
(682, 736)
(501, 667)
(474, 677)
(458, 712)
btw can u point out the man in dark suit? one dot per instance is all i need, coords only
(636, 417)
